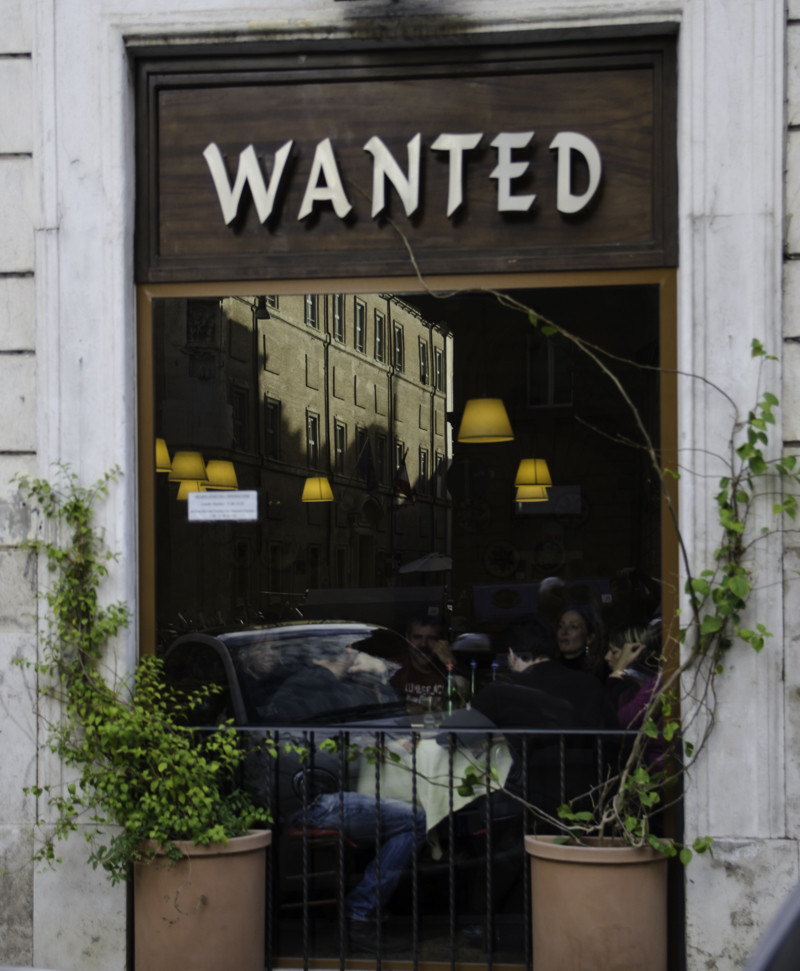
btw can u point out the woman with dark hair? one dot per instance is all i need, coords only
(580, 640)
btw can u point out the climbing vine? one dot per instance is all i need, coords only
(140, 779)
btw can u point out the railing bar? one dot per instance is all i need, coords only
(380, 745)
(489, 856)
(526, 870)
(304, 797)
(451, 861)
(415, 738)
(342, 882)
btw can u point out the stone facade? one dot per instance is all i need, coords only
(68, 392)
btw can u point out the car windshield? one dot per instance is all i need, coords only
(312, 674)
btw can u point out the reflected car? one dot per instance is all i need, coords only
(290, 680)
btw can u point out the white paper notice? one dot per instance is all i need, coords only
(214, 507)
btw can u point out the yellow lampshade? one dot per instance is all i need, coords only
(317, 489)
(531, 493)
(485, 420)
(188, 465)
(533, 472)
(221, 474)
(186, 486)
(163, 461)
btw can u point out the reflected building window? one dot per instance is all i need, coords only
(239, 418)
(338, 318)
(360, 326)
(438, 363)
(399, 348)
(272, 301)
(312, 440)
(311, 316)
(423, 361)
(380, 337)
(272, 428)
(339, 446)
(423, 472)
(439, 473)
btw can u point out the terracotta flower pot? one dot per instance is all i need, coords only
(596, 907)
(205, 913)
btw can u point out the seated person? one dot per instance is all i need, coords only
(338, 680)
(423, 675)
(569, 698)
(634, 674)
(402, 834)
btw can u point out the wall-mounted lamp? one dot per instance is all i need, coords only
(186, 486)
(317, 489)
(163, 461)
(533, 472)
(221, 475)
(485, 420)
(187, 465)
(531, 493)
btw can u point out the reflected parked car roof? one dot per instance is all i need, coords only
(254, 667)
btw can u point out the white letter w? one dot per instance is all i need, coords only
(249, 171)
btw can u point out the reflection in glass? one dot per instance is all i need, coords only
(284, 389)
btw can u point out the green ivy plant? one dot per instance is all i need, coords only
(692, 660)
(138, 779)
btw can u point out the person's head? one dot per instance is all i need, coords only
(422, 633)
(259, 660)
(535, 640)
(578, 632)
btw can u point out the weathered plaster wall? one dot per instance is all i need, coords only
(66, 289)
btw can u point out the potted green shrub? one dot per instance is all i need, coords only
(156, 804)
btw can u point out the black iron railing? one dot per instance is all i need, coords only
(465, 799)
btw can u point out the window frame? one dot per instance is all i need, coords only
(359, 325)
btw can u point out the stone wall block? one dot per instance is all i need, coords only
(17, 325)
(791, 299)
(746, 881)
(18, 402)
(18, 582)
(86, 917)
(16, 37)
(790, 399)
(792, 229)
(16, 114)
(18, 718)
(16, 226)
(793, 73)
(791, 590)
(16, 938)
(16, 522)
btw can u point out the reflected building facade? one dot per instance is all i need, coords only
(352, 387)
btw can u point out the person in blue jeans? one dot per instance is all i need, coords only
(336, 678)
(402, 834)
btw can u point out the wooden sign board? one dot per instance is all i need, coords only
(348, 160)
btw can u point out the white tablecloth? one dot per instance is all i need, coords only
(433, 775)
